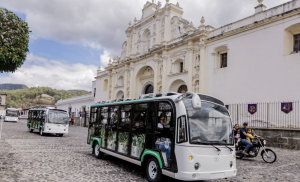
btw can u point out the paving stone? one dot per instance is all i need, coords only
(26, 156)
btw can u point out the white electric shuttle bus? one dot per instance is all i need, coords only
(12, 114)
(184, 136)
(48, 120)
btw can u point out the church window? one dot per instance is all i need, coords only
(181, 67)
(182, 89)
(224, 60)
(149, 89)
(297, 43)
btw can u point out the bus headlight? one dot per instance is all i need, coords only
(190, 158)
(197, 165)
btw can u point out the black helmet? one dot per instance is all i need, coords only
(245, 123)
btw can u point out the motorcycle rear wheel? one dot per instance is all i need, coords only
(268, 159)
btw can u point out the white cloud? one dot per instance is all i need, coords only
(101, 24)
(104, 59)
(39, 71)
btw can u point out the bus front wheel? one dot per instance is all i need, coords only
(153, 170)
(97, 152)
(29, 129)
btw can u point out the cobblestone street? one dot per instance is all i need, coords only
(26, 156)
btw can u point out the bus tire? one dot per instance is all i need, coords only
(41, 132)
(60, 135)
(96, 150)
(153, 170)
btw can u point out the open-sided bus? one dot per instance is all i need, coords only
(178, 135)
(12, 114)
(48, 120)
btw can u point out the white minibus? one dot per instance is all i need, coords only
(48, 120)
(184, 136)
(12, 114)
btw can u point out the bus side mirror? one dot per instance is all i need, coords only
(196, 102)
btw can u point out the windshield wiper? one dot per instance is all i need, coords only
(221, 142)
(208, 142)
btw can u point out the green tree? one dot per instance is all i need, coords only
(14, 39)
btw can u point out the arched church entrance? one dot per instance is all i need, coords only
(149, 89)
(120, 94)
(144, 81)
(182, 89)
(178, 86)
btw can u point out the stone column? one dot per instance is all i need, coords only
(164, 74)
(131, 81)
(202, 67)
(157, 30)
(128, 45)
(113, 84)
(191, 67)
(166, 31)
(156, 74)
(108, 85)
(126, 81)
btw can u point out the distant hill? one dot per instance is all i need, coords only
(27, 97)
(12, 86)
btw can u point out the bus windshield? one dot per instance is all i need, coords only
(57, 117)
(210, 125)
(12, 113)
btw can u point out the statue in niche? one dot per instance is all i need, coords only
(139, 36)
(159, 91)
(153, 41)
(154, 29)
(162, 36)
(138, 48)
(162, 22)
(197, 88)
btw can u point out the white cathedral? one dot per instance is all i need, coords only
(255, 59)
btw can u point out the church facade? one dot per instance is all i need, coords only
(255, 59)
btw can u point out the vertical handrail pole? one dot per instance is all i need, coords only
(267, 115)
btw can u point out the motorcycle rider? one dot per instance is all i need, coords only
(244, 140)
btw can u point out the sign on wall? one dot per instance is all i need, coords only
(252, 108)
(286, 107)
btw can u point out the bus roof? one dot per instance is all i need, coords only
(171, 96)
(12, 109)
(123, 102)
(43, 109)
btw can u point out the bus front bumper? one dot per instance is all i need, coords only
(196, 176)
(55, 132)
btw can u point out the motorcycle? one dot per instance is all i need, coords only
(268, 155)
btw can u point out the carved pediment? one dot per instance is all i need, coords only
(178, 53)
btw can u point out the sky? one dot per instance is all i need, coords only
(71, 38)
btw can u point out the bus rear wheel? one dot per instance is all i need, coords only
(97, 152)
(153, 170)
